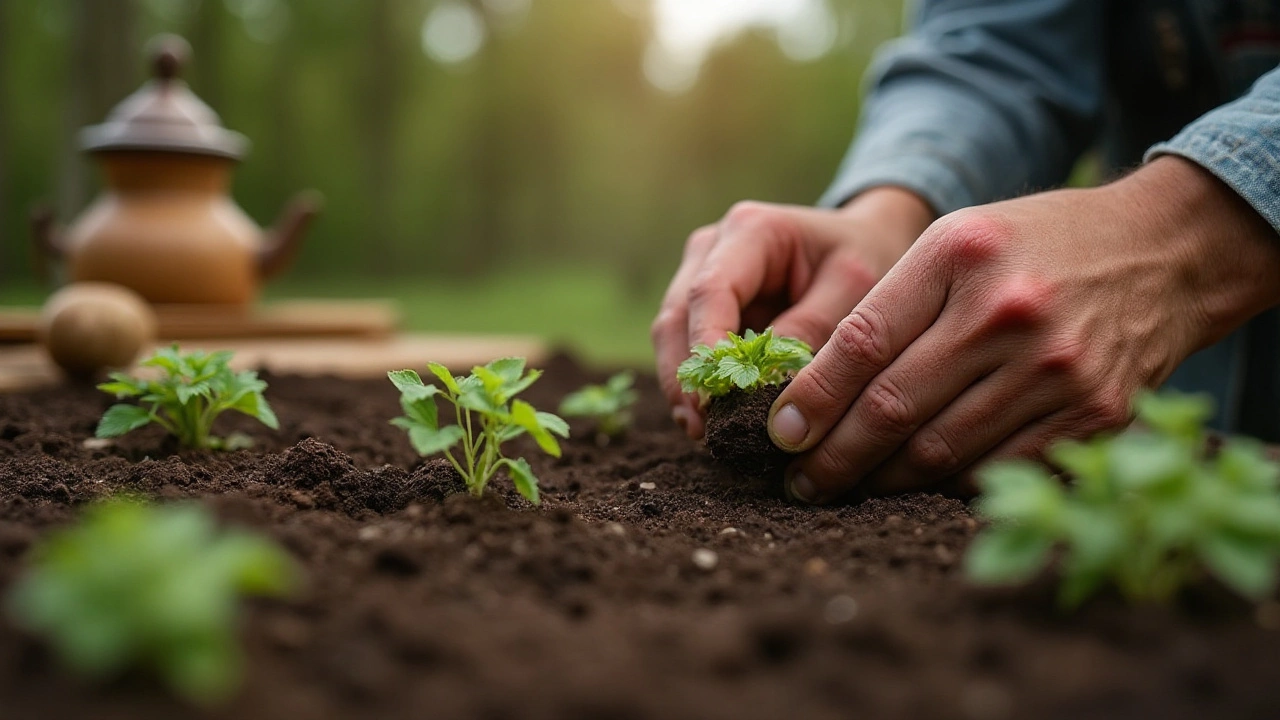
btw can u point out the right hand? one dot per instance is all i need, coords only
(799, 269)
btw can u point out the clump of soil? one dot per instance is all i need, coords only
(738, 434)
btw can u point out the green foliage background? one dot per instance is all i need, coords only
(547, 149)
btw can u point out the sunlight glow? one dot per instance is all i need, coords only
(453, 32)
(686, 31)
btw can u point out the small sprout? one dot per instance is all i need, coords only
(1146, 511)
(192, 391)
(486, 414)
(138, 585)
(745, 363)
(609, 404)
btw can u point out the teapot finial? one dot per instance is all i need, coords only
(169, 53)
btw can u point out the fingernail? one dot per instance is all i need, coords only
(789, 426)
(681, 417)
(801, 488)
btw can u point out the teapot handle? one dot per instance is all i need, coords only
(285, 237)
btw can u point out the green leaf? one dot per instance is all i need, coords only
(1137, 462)
(446, 377)
(1245, 564)
(523, 478)
(509, 369)
(739, 373)
(1006, 554)
(523, 414)
(120, 419)
(429, 442)
(1019, 490)
(256, 406)
(1174, 414)
(553, 423)
(405, 380)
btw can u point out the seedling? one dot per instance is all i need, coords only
(743, 362)
(157, 587)
(486, 414)
(1146, 511)
(608, 404)
(192, 391)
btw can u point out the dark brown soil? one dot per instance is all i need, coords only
(652, 583)
(738, 435)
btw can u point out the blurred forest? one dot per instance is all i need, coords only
(546, 147)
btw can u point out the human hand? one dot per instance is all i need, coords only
(1014, 324)
(800, 269)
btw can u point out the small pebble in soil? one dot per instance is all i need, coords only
(705, 559)
(369, 532)
(815, 567)
(730, 531)
(614, 528)
(648, 486)
(840, 609)
(96, 443)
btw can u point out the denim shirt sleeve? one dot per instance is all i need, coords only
(1239, 143)
(983, 100)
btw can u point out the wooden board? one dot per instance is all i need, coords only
(286, 318)
(26, 367)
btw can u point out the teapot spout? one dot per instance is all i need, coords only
(284, 239)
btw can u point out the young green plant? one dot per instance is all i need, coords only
(1146, 511)
(609, 405)
(745, 362)
(157, 587)
(193, 389)
(486, 415)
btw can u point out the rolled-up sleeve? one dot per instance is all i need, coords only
(1239, 143)
(985, 99)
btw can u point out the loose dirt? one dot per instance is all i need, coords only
(651, 583)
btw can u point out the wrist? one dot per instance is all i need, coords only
(1224, 257)
(900, 214)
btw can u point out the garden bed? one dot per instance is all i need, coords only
(650, 584)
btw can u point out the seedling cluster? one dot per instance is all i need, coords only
(1146, 511)
(744, 362)
(609, 405)
(158, 587)
(192, 391)
(486, 415)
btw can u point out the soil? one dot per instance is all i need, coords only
(651, 583)
(737, 433)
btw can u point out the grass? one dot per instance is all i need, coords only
(585, 309)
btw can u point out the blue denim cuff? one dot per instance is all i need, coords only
(1240, 144)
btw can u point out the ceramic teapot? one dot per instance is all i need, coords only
(165, 224)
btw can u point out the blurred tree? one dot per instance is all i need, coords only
(547, 145)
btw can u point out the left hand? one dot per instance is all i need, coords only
(1014, 324)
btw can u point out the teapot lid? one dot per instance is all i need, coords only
(164, 115)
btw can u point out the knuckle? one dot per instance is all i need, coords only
(973, 238)
(930, 450)
(1107, 410)
(666, 320)
(830, 469)
(862, 337)
(889, 409)
(750, 215)
(1066, 356)
(1020, 301)
(700, 241)
(706, 286)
